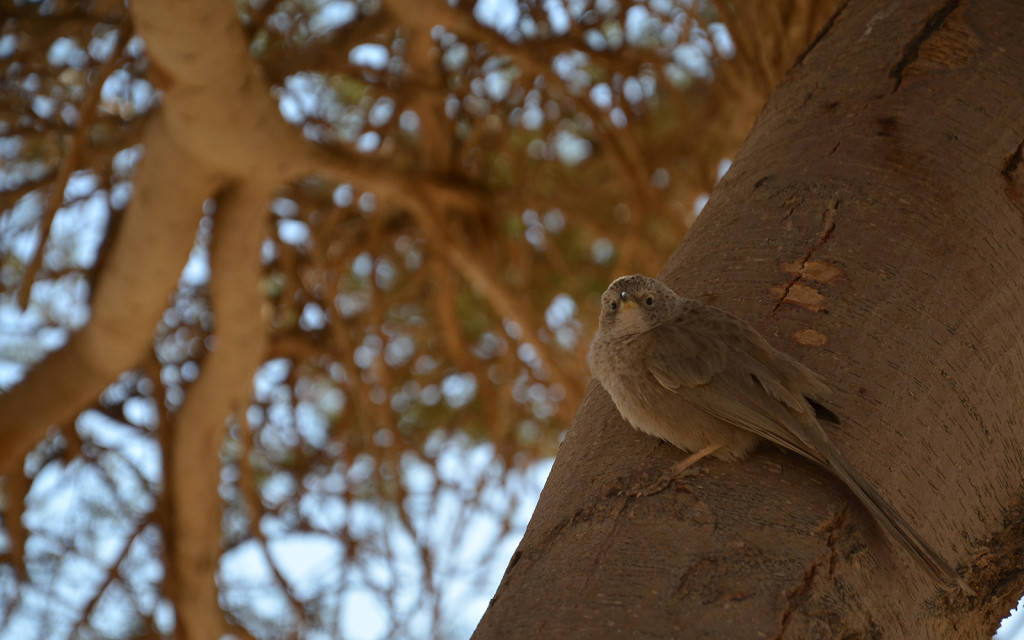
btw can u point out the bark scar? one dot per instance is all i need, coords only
(828, 225)
(1010, 166)
(821, 34)
(1012, 163)
(798, 593)
(912, 49)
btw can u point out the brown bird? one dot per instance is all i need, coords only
(706, 382)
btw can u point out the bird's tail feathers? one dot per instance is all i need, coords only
(895, 525)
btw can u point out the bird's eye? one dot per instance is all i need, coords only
(649, 301)
(615, 305)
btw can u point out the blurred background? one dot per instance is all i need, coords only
(423, 362)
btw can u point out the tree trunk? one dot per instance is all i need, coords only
(871, 226)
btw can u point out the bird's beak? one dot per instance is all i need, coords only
(625, 299)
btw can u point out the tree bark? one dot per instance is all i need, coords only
(872, 226)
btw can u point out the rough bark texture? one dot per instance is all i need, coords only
(871, 226)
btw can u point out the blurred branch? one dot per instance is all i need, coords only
(251, 498)
(535, 60)
(469, 266)
(222, 388)
(331, 53)
(86, 113)
(112, 574)
(14, 490)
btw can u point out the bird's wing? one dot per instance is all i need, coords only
(679, 358)
(692, 350)
(717, 374)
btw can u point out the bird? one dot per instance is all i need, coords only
(706, 382)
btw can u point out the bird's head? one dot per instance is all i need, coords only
(635, 303)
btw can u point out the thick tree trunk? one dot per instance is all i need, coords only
(872, 227)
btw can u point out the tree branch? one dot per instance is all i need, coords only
(223, 387)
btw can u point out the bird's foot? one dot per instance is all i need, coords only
(679, 471)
